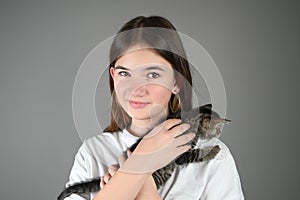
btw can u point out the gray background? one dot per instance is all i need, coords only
(255, 44)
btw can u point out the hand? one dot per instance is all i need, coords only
(111, 171)
(159, 147)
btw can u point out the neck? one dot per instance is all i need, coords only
(140, 127)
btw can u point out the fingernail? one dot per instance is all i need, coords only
(187, 125)
(188, 148)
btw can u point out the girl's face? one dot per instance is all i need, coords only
(143, 82)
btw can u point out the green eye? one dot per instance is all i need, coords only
(153, 75)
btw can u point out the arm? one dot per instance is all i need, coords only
(148, 191)
(126, 183)
(78, 173)
(122, 186)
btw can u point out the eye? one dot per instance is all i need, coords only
(153, 75)
(124, 74)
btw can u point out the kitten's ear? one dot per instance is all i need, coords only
(208, 106)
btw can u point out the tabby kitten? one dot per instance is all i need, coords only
(204, 122)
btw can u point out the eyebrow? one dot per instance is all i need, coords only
(121, 67)
(154, 67)
(146, 69)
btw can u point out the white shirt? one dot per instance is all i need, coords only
(217, 179)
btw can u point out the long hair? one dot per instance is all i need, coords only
(161, 36)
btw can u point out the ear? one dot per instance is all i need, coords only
(112, 72)
(175, 89)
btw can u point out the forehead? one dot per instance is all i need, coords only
(135, 58)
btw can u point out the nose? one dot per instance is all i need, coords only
(136, 87)
(139, 90)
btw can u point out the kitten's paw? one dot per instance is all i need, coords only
(182, 159)
(213, 152)
(216, 149)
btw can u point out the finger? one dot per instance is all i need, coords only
(106, 178)
(122, 159)
(165, 126)
(180, 129)
(184, 139)
(112, 169)
(180, 150)
(129, 153)
(102, 183)
(168, 124)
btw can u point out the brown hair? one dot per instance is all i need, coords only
(168, 45)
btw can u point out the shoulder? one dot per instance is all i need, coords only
(222, 173)
(218, 174)
(100, 147)
(223, 166)
(106, 147)
(103, 139)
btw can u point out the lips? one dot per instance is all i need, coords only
(138, 104)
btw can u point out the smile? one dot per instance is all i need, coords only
(138, 104)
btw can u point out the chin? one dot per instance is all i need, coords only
(138, 115)
(157, 116)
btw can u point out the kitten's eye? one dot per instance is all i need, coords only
(153, 75)
(124, 74)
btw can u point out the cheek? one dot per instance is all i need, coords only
(120, 87)
(119, 90)
(161, 95)
(120, 93)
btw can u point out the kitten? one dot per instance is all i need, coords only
(204, 122)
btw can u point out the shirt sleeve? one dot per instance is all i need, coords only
(78, 173)
(223, 180)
